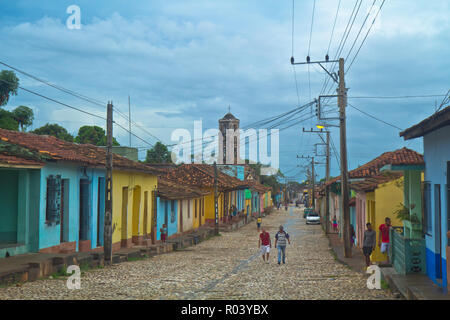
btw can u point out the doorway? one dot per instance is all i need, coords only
(438, 233)
(64, 224)
(100, 211)
(124, 230)
(84, 209)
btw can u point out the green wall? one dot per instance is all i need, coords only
(8, 206)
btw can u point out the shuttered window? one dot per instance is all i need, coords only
(53, 205)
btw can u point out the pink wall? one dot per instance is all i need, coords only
(360, 217)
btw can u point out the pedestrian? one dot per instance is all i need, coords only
(163, 231)
(335, 224)
(264, 244)
(352, 235)
(286, 205)
(369, 242)
(383, 237)
(258, 223)
(280, 244)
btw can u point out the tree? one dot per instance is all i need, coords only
(93, 135)
(24, 116)
(7, 120)
(158, 154)
(54, 130)
(9, 84)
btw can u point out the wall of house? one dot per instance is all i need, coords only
(388, 197)
(50, 234)
(436, 155)
(19, 196)
(167, 214)
(360, 217)
(129, 206)
(185, 208)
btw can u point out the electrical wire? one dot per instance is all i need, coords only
(368, 31)
(373, 117)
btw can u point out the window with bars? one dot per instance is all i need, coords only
(53, 201)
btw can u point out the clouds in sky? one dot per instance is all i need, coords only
(182, 61)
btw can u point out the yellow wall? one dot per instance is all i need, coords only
(387, 198)
(209, 205)
(137, 184)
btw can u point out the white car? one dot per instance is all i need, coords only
(313, 218)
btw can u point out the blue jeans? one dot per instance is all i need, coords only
(281, 251)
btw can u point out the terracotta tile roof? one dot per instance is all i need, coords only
(255, 185)
(371, 183)
(59, 150)
(171, 190)
(202, 175)
(402, 156)
(13, 160)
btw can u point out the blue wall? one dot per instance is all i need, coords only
(436, 154)
(165, 207)
(49, 234)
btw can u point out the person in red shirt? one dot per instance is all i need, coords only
(383, 237)
(265, 244)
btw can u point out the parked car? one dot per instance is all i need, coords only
(306, 211)
(313, 218)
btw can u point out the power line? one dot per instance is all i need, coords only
(369, 115)
(58, 102)
(77, 95)
(311, 29)
(368, 31)
(68, 91)
(342, 43)
(399, 97)
(334, 25)
(360, 29)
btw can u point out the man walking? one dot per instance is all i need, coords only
(383, 237)
(369, 242)
(280, 244)
(265, 244)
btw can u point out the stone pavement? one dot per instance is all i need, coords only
(228, 267)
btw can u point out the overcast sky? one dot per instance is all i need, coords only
(182, 61)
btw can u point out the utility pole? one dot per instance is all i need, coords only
(216, 206)
(312, 180)
(327, 187)
(327, 174)
(129, 118)
(107, 245)
(342, 102)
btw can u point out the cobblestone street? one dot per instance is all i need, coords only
(225, 267)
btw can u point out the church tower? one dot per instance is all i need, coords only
(229, 122)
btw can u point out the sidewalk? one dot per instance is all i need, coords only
(414, 286)
(411, 287)
(356, 262)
